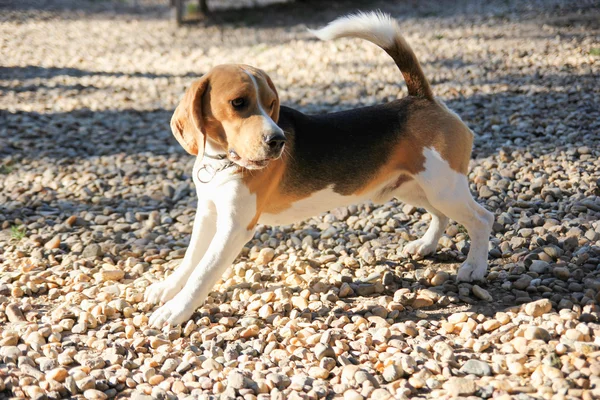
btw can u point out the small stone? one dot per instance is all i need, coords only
(109, 275)
(458, 318)
(299, 382)
(422, 302)
(10, 352)
(537, 333)
(53, 243)
(460, 387)
(392, 373)
(57, 374)
(93, 394)
(539, 266)
(381, 394)
(523, 282)
(250, 332)
(345, 290)
(329, 232)
(491, 325)
(573, 334)
(178, 387)
(280, 381)
(444, 351)
(236, 380)
(481, 293)
(561, 273)
(321, 351)
(538, 308)
(352, 395)
(318, 373)
(92, 250)
(476, 367)
(485, 192)
(328, 363)
(265, 256)
(440, 278)
(14, 313)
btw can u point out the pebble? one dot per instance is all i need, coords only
(440, 278)
(93, 394)
(392, 373)
(265, 256)
(476, 367)
(460, 386)
(57, 374)
(481, 293)
(538, 308)
(537, 333)
(14, 313)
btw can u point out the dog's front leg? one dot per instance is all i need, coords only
(205, 226)
(234, 215)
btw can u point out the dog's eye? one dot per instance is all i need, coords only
(238, 103)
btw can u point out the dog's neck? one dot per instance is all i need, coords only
(212, 162)
(211, 153)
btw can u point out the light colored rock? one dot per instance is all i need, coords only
(538, 308)
(481, 293)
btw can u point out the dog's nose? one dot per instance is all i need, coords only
(275, 141)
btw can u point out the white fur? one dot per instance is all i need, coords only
(225, 209)
(269, 126)
(320, 202)
(375, 27)
(448, 194)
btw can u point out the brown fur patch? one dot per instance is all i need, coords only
(438, 127)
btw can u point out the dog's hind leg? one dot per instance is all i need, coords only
(427, 244)
(411, 193)
(448, 191)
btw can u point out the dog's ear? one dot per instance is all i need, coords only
(187, 123)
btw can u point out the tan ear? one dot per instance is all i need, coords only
(187, 121)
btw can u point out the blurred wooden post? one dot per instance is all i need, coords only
(179, 11)
(202, 6)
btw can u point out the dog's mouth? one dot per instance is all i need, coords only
(256, 163)
(252, 164)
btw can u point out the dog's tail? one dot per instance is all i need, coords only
(383, 30)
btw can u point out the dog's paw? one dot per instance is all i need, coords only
(161, 292)
(469, 272)
(173, 313)
(419, 248)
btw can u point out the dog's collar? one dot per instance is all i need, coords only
(209, 170)
(222, 156)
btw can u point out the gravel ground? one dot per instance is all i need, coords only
(96, 203)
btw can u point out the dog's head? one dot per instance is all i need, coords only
(236, 108)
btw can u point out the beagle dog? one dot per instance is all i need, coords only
(259, 162)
